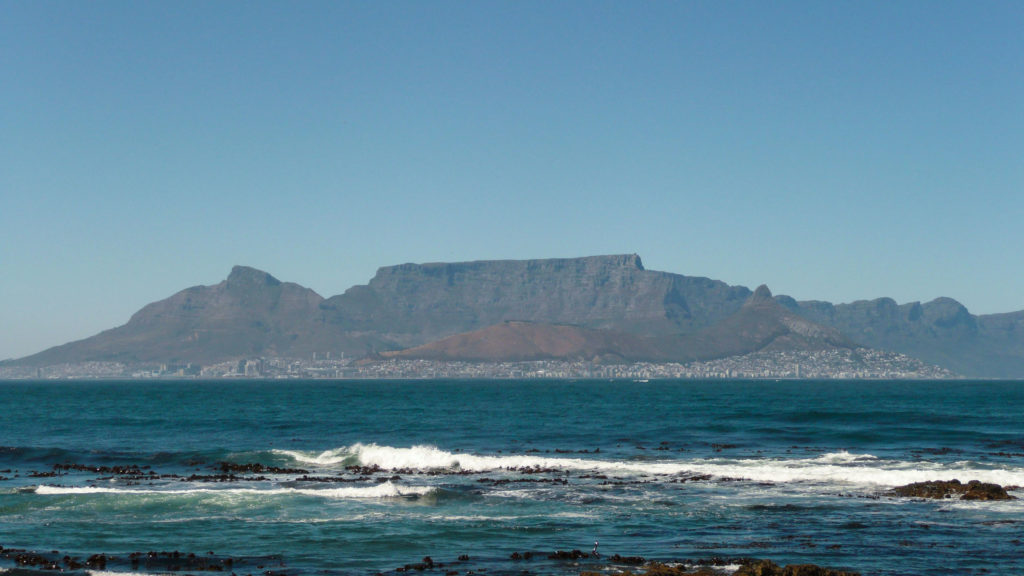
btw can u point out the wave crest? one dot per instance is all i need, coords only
(384, 490)
(833, 468)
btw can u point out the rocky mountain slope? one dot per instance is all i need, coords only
(525, 341)
(940, 332)
(413, 304)
(761, 324)
(251, 313)
(602, 306)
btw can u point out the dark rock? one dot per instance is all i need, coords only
(769, 568)
(985, 491)
(564, 555)
(257, 468)
(938, 489)
(712, 567)
(97, 561)
(223, 478)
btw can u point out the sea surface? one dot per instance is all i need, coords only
(328, 477)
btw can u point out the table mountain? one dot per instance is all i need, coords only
(526, 341)
(601, 306)
(760, 324)
(412, 304)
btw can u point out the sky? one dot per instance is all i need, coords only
(832, 150)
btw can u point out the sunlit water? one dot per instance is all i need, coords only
(366, 477)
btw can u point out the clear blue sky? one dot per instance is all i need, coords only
(832, 150)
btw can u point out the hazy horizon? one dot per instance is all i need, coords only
(833, 151)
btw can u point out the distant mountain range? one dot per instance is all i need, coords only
(607, 308)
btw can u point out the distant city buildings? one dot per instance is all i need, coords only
(860, 363)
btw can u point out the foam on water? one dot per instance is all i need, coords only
(865, 472)
(432, 458)
(338, 456)
(377, 491)
(844, 457)
(833, 468)
(110, 573)
(385, 490)
(989, 506)
(804, 454)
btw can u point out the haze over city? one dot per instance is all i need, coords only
(833, 151)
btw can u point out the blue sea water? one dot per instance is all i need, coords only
(367, 477)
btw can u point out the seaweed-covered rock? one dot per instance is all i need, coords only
(940, 489)
(769, 568)
(748, 568)
(658, 569)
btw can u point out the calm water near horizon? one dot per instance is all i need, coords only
(356, 477)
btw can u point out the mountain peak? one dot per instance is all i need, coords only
(245, 276)
(632, 261)
(607, 303)
(760, 296)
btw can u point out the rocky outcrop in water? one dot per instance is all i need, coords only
(769, 568)
(748, 567)
(938, 489)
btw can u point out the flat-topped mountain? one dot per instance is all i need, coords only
(413, 304)
(604, 307)
(760, 324)
(525, 341)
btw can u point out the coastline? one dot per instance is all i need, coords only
(144, 563)
(357, 477)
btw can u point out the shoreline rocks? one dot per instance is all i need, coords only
(588, 564)
(943, 489)
(748, 567)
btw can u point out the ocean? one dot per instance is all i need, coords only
(457, 477)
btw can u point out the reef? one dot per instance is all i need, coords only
(942, 489)
(585, 563)
(748, 567)
(151, 561)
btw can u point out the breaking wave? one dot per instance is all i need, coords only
(377, 491)
(832, 468)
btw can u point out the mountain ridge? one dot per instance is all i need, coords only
(761, 324)
(658, 316)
